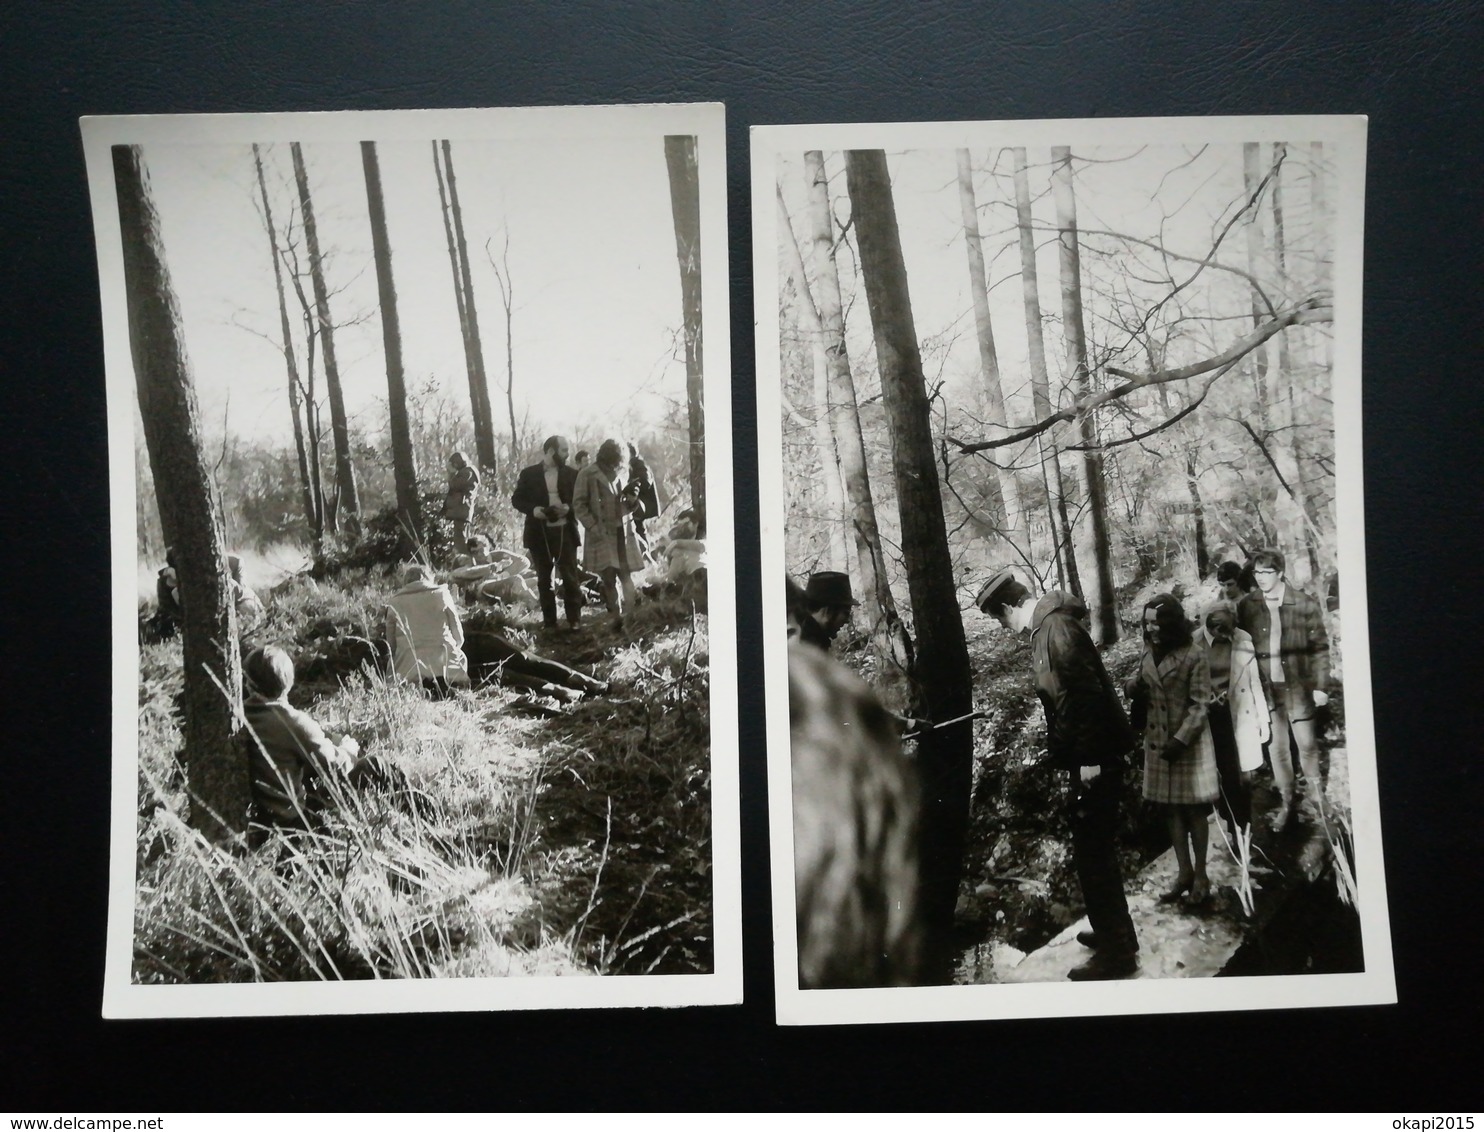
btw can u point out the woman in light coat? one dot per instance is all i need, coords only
(425, 633)
(610, 547)
(1238, 716)
(1174, 685)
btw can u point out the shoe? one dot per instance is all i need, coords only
(1089, 939)
(1283, 815)
(1106, 965)
(1174, 894)
(1200, 891)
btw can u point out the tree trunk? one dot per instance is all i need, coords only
(1103, 606)
(1287, 452)
(942, 676)
(1004, 493)
(216, 771)
(507, 300)
(289, 360)
(458, 288)
(1058, 522)
(888, 634)
(479, 389)
(824, 439)
(1288, 513)
(347, 498)
(1198, 516)
(404, 464)
(685, 208)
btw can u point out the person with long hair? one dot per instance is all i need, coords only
(1173, 685)
(611, 548)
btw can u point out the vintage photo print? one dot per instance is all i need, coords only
(423, 584)
(1064, 577)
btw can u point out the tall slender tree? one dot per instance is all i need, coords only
(824, 438)
(1058, 520)
(506, 284)
(312, 514)
(888, 634)
(1005, 492)
(479, 389)
(347, 499)
(1103, 605)
(404, 464)
(942, 674)
(216, 769)
(685, 209)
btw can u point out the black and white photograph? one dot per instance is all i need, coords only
(1063, 568)
(423, 584)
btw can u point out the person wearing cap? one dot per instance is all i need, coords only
(1292, 647)
(827, 605)
(1088, 735)
(425, 633)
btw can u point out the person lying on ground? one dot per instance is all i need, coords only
(493, 575)
(425, 633)
(494, 657)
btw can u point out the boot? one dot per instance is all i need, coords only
(1283, 814)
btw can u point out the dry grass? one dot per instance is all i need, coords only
(573, 845)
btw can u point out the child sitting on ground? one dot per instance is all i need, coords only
(288, 750)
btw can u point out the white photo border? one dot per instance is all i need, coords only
(1344, 138)
(122, 998)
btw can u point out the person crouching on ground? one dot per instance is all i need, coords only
(1174, 682)
(493, 575)
(828, 603)
(612, 551)
(425, 633)
(1087, 735)
(288, 750)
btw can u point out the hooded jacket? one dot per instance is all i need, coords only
(1085, 721)
(426, 635)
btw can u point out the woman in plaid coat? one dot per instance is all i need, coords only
(1174, 688)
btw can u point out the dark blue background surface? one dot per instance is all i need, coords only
(1414, 68)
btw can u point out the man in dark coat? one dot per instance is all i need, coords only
(543, 494)
(1088, 735)
(1287, 630)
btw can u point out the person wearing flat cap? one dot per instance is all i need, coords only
(827, 605)
(1088, 735)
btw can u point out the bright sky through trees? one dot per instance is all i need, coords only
(592, 255)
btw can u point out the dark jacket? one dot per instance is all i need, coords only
(1085, 723)
(530, 493)
(1303, 644)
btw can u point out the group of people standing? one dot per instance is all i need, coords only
(1205, 700)
(595, 507)
(1250, 673)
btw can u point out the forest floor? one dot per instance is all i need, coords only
(528, 838)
